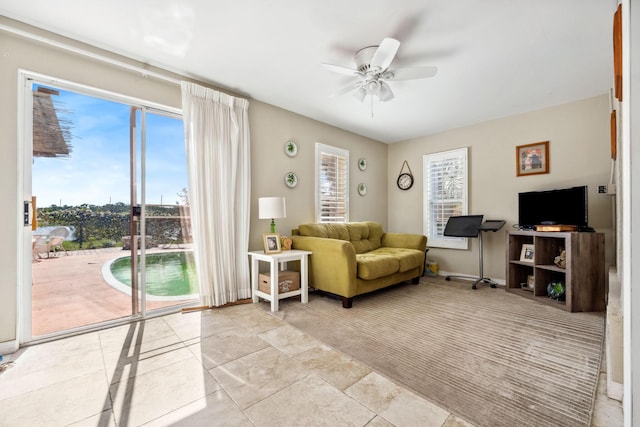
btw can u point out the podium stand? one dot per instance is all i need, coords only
(472, 226)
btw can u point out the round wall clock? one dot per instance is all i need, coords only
(405, 181)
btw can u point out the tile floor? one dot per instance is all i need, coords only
(237, 366)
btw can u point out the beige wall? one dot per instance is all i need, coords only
(579, 153)
(271, 127)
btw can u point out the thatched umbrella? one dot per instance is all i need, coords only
(51, 134)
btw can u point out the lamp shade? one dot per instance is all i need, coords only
(271, 208)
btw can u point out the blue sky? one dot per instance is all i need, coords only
(97, 171)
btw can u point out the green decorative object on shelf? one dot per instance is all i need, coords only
(556, 289)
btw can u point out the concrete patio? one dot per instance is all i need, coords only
(69, 291)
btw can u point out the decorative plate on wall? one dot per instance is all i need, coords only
(362, 189)
(291, 179)
(291, 148)
(362, 164)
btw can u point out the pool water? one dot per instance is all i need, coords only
(168, 274)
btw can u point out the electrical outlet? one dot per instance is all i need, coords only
(607, 189)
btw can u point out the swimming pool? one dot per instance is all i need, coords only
(170, 276)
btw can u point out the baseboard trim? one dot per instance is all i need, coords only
(615, 390)
(8, 347)
(614, 340)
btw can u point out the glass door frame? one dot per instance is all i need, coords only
(24, 184)
(138, 216)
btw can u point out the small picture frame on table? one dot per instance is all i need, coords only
(531, 283)
(532, 159)
(527, 252)
(272, 243)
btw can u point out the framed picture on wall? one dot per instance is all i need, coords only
(532, 159)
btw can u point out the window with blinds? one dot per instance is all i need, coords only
(445, 195)
(332, 184)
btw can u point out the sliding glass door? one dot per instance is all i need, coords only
(160, 198)
(111, 229)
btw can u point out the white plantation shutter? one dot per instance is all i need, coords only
(445, 195)
(332, 184)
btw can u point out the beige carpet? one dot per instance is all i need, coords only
(490, 357)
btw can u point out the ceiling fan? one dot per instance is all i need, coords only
(372, 71)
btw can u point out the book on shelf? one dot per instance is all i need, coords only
(556, 227)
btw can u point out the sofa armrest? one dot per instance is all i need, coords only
(332, 264)
(404, 240)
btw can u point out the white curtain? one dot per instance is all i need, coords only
(217, 141)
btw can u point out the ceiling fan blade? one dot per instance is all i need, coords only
(385, 94)
(346, 89)
(385, 53)
(411, 73)
(340, 69)
(360, 94)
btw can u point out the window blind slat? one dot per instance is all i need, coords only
(332, 193)
(445, 195)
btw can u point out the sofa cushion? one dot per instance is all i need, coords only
(365, 236)
(372, 266)
(407, 258)
(326, 230)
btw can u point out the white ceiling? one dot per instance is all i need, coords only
(495, 58)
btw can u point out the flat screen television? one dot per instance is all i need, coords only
(566, 206)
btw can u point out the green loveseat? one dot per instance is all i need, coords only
(354, 258)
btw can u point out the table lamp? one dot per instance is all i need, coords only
(272, 208)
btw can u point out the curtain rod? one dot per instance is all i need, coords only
(86, 53)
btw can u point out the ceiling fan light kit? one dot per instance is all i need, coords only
(373, 73)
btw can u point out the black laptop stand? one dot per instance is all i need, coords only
(472, 226)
